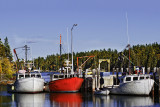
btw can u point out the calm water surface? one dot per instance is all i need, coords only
(71, 100)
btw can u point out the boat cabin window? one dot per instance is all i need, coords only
(55, 76)
(71, 75)
(27, 76)
(21, 76)
(128, 78)
(61, 76)
(32, 75)
(141, 78)
(147, 77)
(135, 78)
(65, 76)
(38, 75)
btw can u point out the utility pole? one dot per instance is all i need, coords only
(26, 48)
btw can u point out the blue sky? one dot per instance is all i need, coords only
(101, 24)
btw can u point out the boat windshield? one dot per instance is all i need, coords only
(135, 78)
(21, 76)
(128, 78)
(27, 76)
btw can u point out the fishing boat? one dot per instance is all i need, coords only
(134, 85)
(27, 81)
(65, 82)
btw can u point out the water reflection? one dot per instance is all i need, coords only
(122, 101)
(66, 99)
(30, 100)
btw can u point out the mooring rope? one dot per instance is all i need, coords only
(156, 83)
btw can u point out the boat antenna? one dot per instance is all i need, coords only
(127, 27)
(128, 45)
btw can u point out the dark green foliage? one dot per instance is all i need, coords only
(141, 55)
(7, 49)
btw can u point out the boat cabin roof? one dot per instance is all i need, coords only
(62, 76)
(129, 78)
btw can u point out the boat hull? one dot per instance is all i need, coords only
(29, 85)
(66, 85)
(101, 92)
(139, 87)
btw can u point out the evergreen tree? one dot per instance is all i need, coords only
(2, 50)
(8, 53)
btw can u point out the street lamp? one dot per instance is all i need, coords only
(72, 47)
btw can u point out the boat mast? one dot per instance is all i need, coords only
(60, 54)
(72, 48)
(67, 45)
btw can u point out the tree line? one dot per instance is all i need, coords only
(147, 55)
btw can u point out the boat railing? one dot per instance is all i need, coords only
(62, 76)
(135, 78)
(28, 75)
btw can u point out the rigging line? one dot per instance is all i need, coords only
(127, 27)
(63, 50)
(128, 59)
(20, 52)
(156, 83)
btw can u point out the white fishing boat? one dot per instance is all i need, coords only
(134, 85)
(29, 83)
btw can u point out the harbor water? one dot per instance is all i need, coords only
(71, 99)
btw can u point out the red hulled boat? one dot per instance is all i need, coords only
(65, 82)
(71, 84)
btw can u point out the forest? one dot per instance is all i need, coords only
(144, 55)
(147, 55)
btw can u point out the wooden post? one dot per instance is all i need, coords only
(156, 87)
(113, 71)
(148, 70)
(98, 78)
(117, 77)
(121, 70)
(93, 80)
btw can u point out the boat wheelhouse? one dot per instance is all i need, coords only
(134, 85)
(135, 77)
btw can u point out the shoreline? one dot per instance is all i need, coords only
(6, 82)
